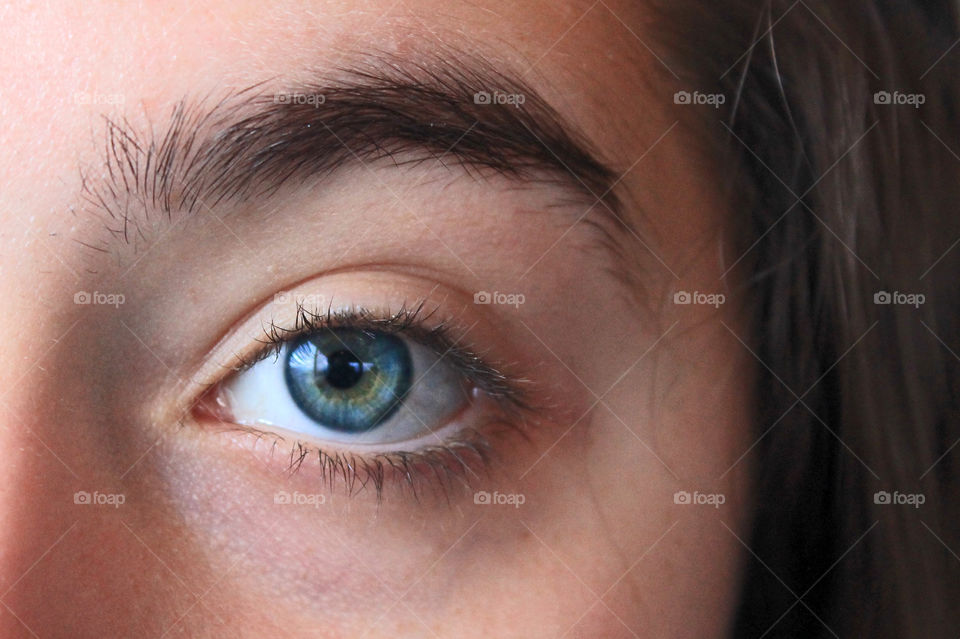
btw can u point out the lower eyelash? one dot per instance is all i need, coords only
(435, 470)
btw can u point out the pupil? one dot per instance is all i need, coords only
(344, 369)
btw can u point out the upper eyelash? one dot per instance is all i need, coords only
(511, 391)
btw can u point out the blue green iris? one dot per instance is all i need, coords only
(348, 380)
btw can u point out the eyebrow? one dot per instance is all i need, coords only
(251, 143)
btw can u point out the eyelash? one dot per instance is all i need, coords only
(431, 467)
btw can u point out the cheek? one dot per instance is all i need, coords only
(668, 569)
(678, 421)
(345, 560)
(499, 567)
(92, 566)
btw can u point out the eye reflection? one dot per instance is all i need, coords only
(348, 380)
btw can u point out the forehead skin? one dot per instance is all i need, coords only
(583, 58)
(138, 60)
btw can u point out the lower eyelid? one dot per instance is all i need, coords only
(437, 470)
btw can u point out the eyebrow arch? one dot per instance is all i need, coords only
(252, 142)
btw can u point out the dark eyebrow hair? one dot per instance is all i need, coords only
(252, 142)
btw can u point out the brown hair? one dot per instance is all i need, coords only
(840, 129)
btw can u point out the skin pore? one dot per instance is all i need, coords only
(632, 397)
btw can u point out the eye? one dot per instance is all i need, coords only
(351, 386)
(374, 397)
